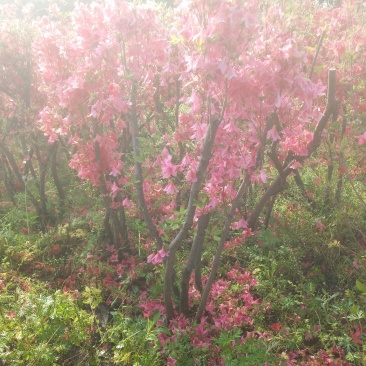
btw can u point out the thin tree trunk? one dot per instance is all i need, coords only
(43, 165)
(191, 209)
(319, 45)
(6, 172)
(138, 171)
(56, 180)
(269, 211)
(192, 260)
(198, 267)
(277, 186)
(299, 182)
(342, 163)
(116, 228)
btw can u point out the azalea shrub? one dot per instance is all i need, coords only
(152, 156)
(149, 110)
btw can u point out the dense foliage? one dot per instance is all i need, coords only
(183, 182)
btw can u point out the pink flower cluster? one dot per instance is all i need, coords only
(158, 257)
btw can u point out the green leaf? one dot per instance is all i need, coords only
(354, 309)
(361, 286)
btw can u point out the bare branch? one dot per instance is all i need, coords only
(138, 171)
(319, 45)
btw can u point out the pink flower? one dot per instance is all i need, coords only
(116, 170)
(191, 176)
(186, 161)
(240, 224)
(273, 135)
(361, 139)
(200, 131)
(295, 165)
(158, 257)
(263, 176)
(126, 203)
(114, 189)
(171, 361)
(170, 188)
(168, 169)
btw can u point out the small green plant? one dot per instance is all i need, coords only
(134, 341)
(237, 351)
(39, 329)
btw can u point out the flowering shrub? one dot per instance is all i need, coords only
(192, 132)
